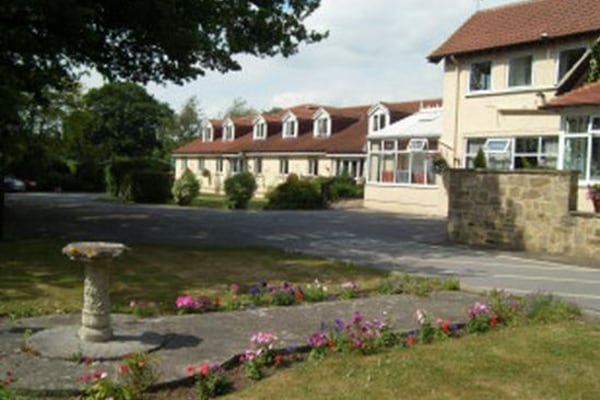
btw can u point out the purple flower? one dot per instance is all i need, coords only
(356, 317)
(318, 340)
(254, 290)
(339, 325)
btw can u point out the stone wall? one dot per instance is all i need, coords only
(521, 210)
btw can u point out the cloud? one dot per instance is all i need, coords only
(376, 50)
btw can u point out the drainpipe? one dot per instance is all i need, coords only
(456, 160)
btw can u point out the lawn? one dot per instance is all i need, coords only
(208, 200)
(557, 361)
(38, 279)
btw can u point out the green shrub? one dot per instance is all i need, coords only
(545, 308)
(295, 193)
(117, 169)
(147, 186)
(339, 187)
(186, 188)
(479, 161)
(400, 283)
(239, 189)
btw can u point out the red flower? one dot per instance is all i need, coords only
(123, 369)
(411, 340)
(446, 326)
(277, 360)
(204, 369)
(493, 322)
(190, 370)
(331, 345)
(299, 296)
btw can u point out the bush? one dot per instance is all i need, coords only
(239, 189)
(117, 169)
(295, 193)
(545, 308)
(339, 187)
(147, 186)
(479, 161)
(186, 188)
(400, 283)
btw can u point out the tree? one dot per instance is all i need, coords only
(240, 108)
(43, 42)
(184, 127)
(125, 120)
(273, 110)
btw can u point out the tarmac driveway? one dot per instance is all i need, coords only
(386, 241)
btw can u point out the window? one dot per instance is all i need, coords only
(290, 127)
(219, 165)
(322, 127)
(260, 130)
(567, 60)
(284, 166)
(236, 165)
(519, 71)
(378, 121)
(228, 132)
(481, 76)
(207, 134)
(515, 153)
(582, 147)
(534, 152)
(258, 165)
(402, 161)
(184, 163)
(353, 167)
(200, 164)
(313, 166)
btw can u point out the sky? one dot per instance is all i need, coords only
(376, 51)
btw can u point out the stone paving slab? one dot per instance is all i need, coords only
(211, 337)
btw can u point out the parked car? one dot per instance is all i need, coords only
(12, 184)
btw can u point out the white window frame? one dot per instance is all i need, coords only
(579, 46)
(228, 131)
(219, 164)
(379, 118)
(289, 123)
(590, 135)
(207, 133)
(394, 151)
(313, 166)
(322, 122)
(236, 165)
(284, 166)
(184, 163)
(539, 154)
(417, 144)
(532, 74)
(260, 129)
(489, 142)
(200, 162)
(510, 149)
(490, 88)
(258, 166)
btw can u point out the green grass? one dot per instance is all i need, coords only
(38, 279)
(557, 361)
(207, 200)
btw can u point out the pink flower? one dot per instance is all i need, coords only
(85, 378)
(204, 369)
(132, 304)
(123, 369)
(349, 286)
(235, 287)
(421, 316)
(190, 370)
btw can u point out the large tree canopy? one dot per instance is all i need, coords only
(144, 40)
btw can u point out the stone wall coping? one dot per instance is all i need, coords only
(584, 214)
(512, 172)
(87, 251)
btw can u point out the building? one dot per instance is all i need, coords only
(307, 140)
(503, 69)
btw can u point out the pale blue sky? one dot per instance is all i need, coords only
(376, 50)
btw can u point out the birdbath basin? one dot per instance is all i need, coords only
(95, 315)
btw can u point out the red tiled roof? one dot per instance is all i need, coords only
(588, 95)
(520, 23)
(350, 128)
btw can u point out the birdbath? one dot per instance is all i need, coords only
(95, 315)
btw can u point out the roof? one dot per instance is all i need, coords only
(350, 128)
(424, 123)
(588, 95)
(521, 23)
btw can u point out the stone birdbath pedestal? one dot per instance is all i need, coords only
(94, 338)
(95, 315)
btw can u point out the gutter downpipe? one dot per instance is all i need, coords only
(456, 160)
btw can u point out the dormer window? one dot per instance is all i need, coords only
(207, 133)
(259, 131)
(322, 124)
(228, 131)
(379, 118)
(290, 126)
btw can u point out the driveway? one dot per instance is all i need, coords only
(385, 241)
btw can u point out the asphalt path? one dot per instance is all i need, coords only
(381, 240)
